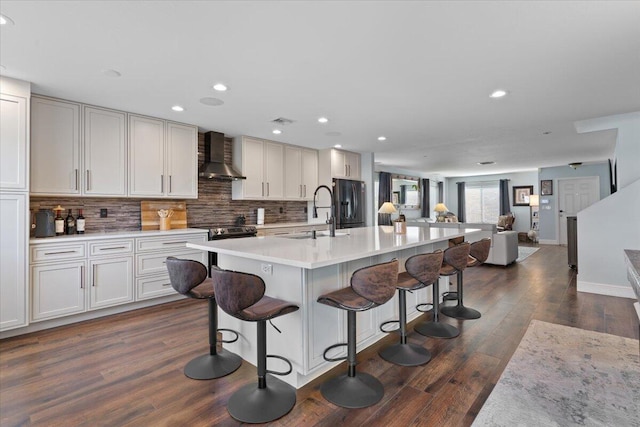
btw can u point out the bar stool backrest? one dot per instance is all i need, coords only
(425, 268)
(480, 250)
(185, 274)
(457, 256)
(377, 283)
(236, 291)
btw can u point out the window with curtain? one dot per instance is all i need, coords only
(482, 200)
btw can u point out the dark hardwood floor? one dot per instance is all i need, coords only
(127, 369)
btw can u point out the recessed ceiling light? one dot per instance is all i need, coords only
(212, 102)
(111, 73)
(337, 146)
(277, 131)
(323, 120)
(499, 93)
(177, 108)
(486, 163)
(5, 20)
(220, 87)
(382, 138)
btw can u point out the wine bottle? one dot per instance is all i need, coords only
(80, 222)
(71, 223)
(59, 221)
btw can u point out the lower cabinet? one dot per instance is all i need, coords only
(58, 289)
(111, 281)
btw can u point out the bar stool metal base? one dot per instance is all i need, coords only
(460, 312)
(437, 330)
(252, 404)
(210, 366)
(406, 354)
(359, 391)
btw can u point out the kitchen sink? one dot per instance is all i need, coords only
(304, 236)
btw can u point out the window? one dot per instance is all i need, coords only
(482, 201)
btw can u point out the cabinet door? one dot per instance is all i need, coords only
(182, 160)
(13, 143)
(13, 262)
(292, 173)
(111, 281)
(253, 168)
(146, 157)
(55, 147)
(274, 170)
(352, 161)
(105, 146)
(309, 173)
(58, 289)
(338, 164)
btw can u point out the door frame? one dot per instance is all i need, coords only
(595, 180)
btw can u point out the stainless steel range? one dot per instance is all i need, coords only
(236, 232)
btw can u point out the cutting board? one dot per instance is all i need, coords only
(149, 214)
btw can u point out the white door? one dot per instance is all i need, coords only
(13, 143)
(58, 289)
(253, 168)
(182, 160)
(274, 170)
(111, 281)
(574, 195)
(292, 173)
(309, 173)
(146, 157)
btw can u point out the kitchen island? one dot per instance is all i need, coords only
(298, 269)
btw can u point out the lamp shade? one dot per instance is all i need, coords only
(387, 208)
(534, 200)
(440, 208)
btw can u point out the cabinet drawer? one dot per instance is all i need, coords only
(42, 253)
(156, 263)
(153, 287)
(145, 244)
(111, 247)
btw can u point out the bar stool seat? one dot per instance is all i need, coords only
(241, 295)
(189, 278)
(421, 271)
(478, 254)
(370, 287)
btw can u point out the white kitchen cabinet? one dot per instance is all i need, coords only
(182, 160)
(345, 164)
(300, 173)
(13, 262)
(111, 281)
(13, 143)
(55, 147)
(104, 172)
(163, 158)
(58, 289)
(262, 162)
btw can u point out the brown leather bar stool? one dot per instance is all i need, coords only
(370, 287)
(189, 278)
(241, 295)
(478, 254)
(421, 271)
(454, 261)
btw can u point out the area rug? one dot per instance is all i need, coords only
(561, 376)
(525, 251)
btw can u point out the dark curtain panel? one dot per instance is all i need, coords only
(384, 195)
(461, 205)
(440, 192)
(504, 197)
(426, 209)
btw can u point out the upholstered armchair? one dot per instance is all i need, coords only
(505, 222)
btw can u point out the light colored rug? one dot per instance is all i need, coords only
(561, 376)
(525, 251)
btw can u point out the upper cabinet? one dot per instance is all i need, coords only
(182, 160)
(345, 164)
(300, 173)
(13, 143)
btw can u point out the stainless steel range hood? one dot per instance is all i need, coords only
(214, 166)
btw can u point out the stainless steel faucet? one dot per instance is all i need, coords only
(332, 219)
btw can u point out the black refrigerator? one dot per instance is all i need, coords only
(348, 199)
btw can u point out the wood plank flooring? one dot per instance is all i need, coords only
(126, 370)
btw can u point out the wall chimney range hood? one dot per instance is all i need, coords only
(214, 166)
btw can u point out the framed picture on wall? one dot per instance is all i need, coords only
(521, 195)
(395, 197)
(546, 187)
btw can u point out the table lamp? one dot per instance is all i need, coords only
(441, 209)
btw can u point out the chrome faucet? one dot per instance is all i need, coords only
(332, 220)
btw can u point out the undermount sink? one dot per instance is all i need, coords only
(308, 235)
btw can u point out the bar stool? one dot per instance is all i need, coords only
(241, 295)
(454, 261)
(422, 271)
(370, 287)
(189, 278)
(478, 254)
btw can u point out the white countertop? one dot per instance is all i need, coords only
(324, 251)
(114, 235)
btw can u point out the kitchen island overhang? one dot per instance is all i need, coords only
(299, 269)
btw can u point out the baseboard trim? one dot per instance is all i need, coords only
(606, 289)
(548, 242)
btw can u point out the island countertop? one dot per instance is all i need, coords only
(349, 244)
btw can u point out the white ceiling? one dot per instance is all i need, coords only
(419, 73)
